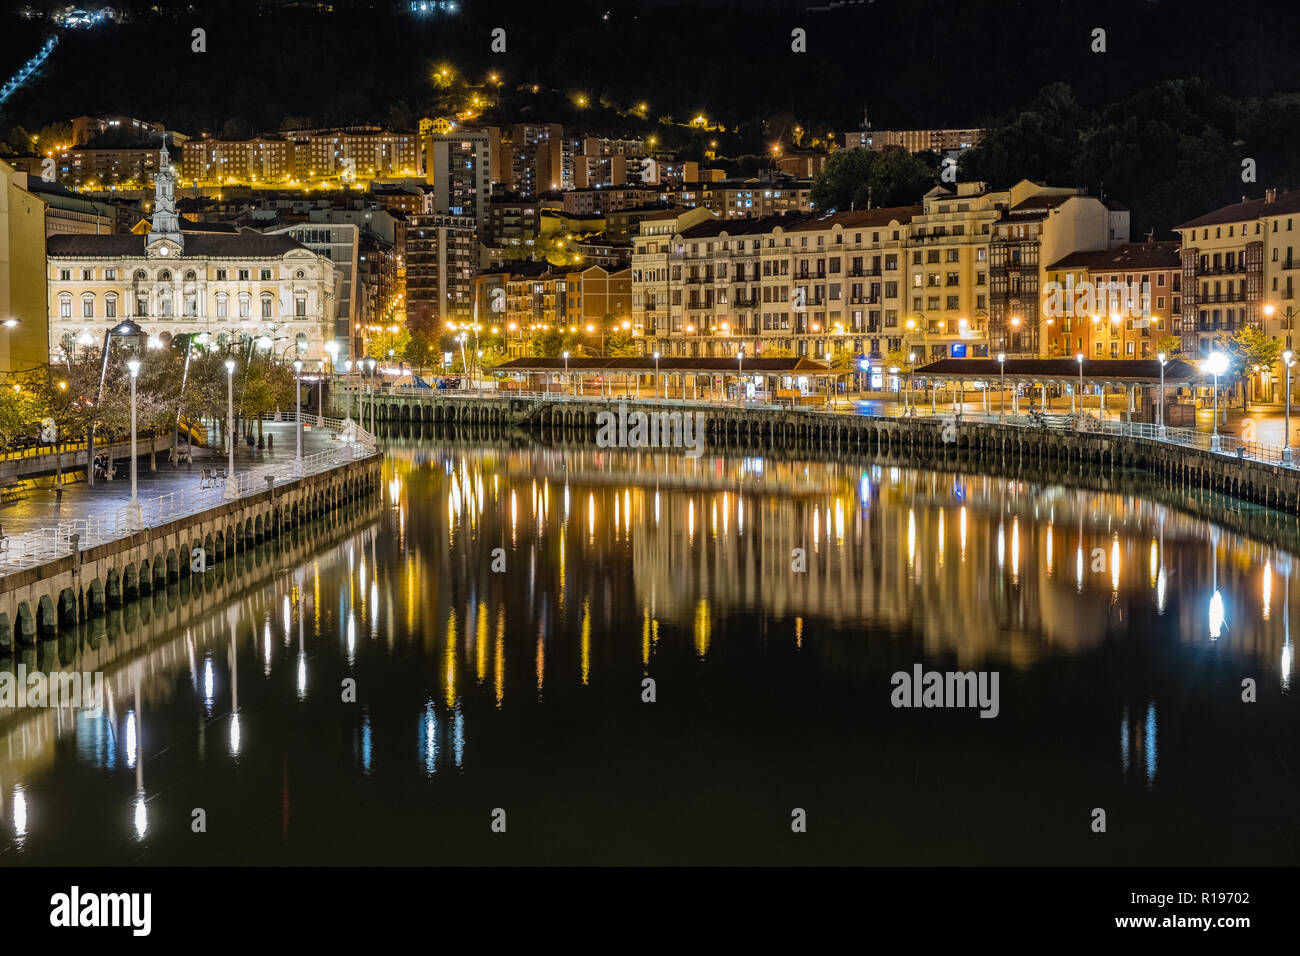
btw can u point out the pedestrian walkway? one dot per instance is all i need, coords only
(41, 506)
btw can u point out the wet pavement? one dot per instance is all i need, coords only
(38, 505)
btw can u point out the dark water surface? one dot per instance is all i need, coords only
(522, 689)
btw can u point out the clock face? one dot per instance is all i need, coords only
(164, 251)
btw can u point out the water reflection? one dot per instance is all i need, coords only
(500, 632)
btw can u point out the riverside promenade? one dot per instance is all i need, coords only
(96, 553)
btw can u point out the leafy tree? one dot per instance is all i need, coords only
(1170, 345)
(379, 344)
(1250, 348)
(864, 178)
(552, 342)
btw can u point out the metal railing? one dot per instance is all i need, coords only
(32, 548)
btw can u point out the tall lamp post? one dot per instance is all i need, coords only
(134, 516)
(297, 418)
(347, 388)
(657, 382)
(232, 485)
(1078, 357)
(372, 396)
(1160, 417)
(320, 392)
(1216, 363)
(1002, 363)
(566, 366)
(740, 362)
(1288, 359)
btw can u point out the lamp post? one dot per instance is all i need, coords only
(566, 366)
(297, 418)
(372, 396)
(1160, 418)
(740, 360)
(911, 369)
(1216, 363)
(347, 388)
(232, 486)
(1078, 357)
(134, 516)
(657, 383)
(1288, 359)
(1002, 363)
(320, 392)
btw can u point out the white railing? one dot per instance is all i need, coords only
(32, 548)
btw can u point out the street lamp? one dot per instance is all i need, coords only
(347, 388)
(297, 418)
(1216, 363)
(740, 361)
(1160, 418)
(1078, 357)
(1288, 359)
(1002, 363)
(372, 395)
(566, 366)
(657, 383)
(320, 392)
(232, 486)
(134, 516)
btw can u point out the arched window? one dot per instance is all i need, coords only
(65, 306)
(300, 274)
(141, 275)
(245, 305)
(191, 276)
(88, 305)
(268, 306)
(223, 305)
(165, 276)
(110, 305)
(165, 304)
(300, 342)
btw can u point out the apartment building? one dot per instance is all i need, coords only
(1239, 269)
(1113, 303)
(914, 140)
(1039, 225)
(810, 284)
(260, 159)
(442, 255)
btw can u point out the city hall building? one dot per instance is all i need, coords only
(235, 286)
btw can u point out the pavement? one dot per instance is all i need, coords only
(39, 506)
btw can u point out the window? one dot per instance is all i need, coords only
(221, 275)
(266, 307)
(191, 306)
(110, 274)
(88, 307)
(65, 275)
(243, 275)
(300, 306)
(87, 275)
(65, 306)
(190, 276)
(110, 306)
(222, 307)
(266, 275)
(245, 307)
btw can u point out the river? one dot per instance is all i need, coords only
(526, 654)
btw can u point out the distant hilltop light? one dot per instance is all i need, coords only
(424, 8)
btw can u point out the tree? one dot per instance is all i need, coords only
(864, 178)
(552, 342)
(776, 351)
(1170, 345)
(379, 344)
(1249, 349)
